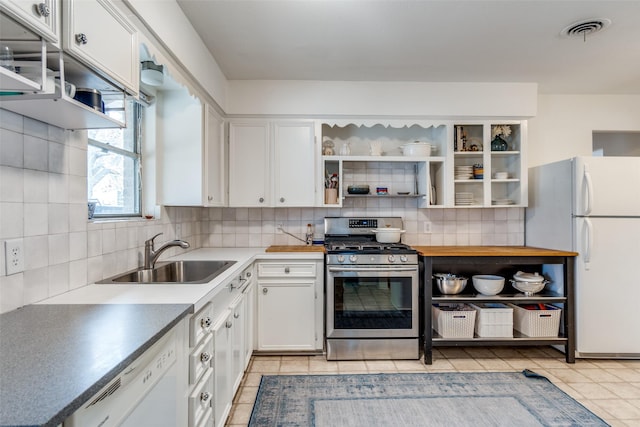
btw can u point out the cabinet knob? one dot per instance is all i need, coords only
(236, 315)
(228, 324)
(287, 270)
(204, 396)
(42, 9)
(281, 199)
(261, 199)
(210, 198)
(205, 322)
(81, 38)
(265, 290)
(205, 357)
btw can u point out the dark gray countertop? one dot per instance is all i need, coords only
(53, 358)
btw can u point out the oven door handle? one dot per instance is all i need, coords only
(373, 269)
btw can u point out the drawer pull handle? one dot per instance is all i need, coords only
(81, 38)
(43, 10)
(205, 357)
(205, 322)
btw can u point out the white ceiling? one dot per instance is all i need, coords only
(424, 40)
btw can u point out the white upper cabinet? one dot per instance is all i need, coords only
(40, 16)
(271, 164)
(191, 153)
(98, 35)
(249, 164)
(294, 159)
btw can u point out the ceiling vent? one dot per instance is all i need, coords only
(585, 28)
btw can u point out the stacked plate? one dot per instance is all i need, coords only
(503, 202)
(463, 172)
(464, 199)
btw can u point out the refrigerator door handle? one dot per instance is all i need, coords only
(588, 204)
(588, 241)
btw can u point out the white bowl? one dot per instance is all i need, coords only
(388, 235)
(416, 149)
(528, 288)
(488, 284)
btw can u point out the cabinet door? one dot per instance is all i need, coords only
(286, 315)
(222, 381)
(238, 320)
(181, 163)
(249, 163)
(214, 154)
(294, 165)
(97, 34)
(41, 16)
(250, 310)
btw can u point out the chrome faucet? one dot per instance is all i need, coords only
(151, 254)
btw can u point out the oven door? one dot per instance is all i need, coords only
(376, 301)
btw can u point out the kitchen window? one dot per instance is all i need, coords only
(113, 165)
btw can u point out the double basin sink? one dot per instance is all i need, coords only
(176, 272)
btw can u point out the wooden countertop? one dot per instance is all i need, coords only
(295, 248)
(448, 250)
(436, 251)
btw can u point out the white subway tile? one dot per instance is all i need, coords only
(36, 186)
(11, 149)
(77, 245)
(36, 219)
(58, 218)
(11, 223)
(58, 248)
(78, 273)
(11, 184)
(36, 285)
(36, 153)
(11, 292)
(58, 279)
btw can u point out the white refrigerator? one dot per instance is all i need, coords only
(591, 205)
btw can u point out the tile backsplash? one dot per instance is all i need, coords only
(43, 201)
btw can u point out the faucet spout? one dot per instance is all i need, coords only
(151, 254)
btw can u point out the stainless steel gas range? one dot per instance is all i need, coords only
(372, 292)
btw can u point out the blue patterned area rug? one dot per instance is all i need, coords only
(434, 399)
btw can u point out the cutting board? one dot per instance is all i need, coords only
(295, 248)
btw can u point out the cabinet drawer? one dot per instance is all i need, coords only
(200, 325)
(200, 359)
(288, 269)
(200, 400)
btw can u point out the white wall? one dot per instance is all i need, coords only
(514, 100)
(564, 124)
(169, 24)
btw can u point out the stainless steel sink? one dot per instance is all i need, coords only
(176, 272)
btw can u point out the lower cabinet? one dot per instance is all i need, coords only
(222, 375)
(221, 344)
(289, 299)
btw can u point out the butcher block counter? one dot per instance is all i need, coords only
(439, 251)
(295, 248)
(555, 265)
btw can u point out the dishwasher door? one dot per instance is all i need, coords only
(143, 395)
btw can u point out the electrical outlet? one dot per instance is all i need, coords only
(14, 256)
(426, 227)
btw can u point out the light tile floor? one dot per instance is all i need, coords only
(609, 388)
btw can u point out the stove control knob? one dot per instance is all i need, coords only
(353, 258)
(403, 258)
(340, 258)
(392, 258)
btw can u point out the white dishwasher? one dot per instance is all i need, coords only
(142, 395)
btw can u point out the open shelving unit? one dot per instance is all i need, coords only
(562, 295)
